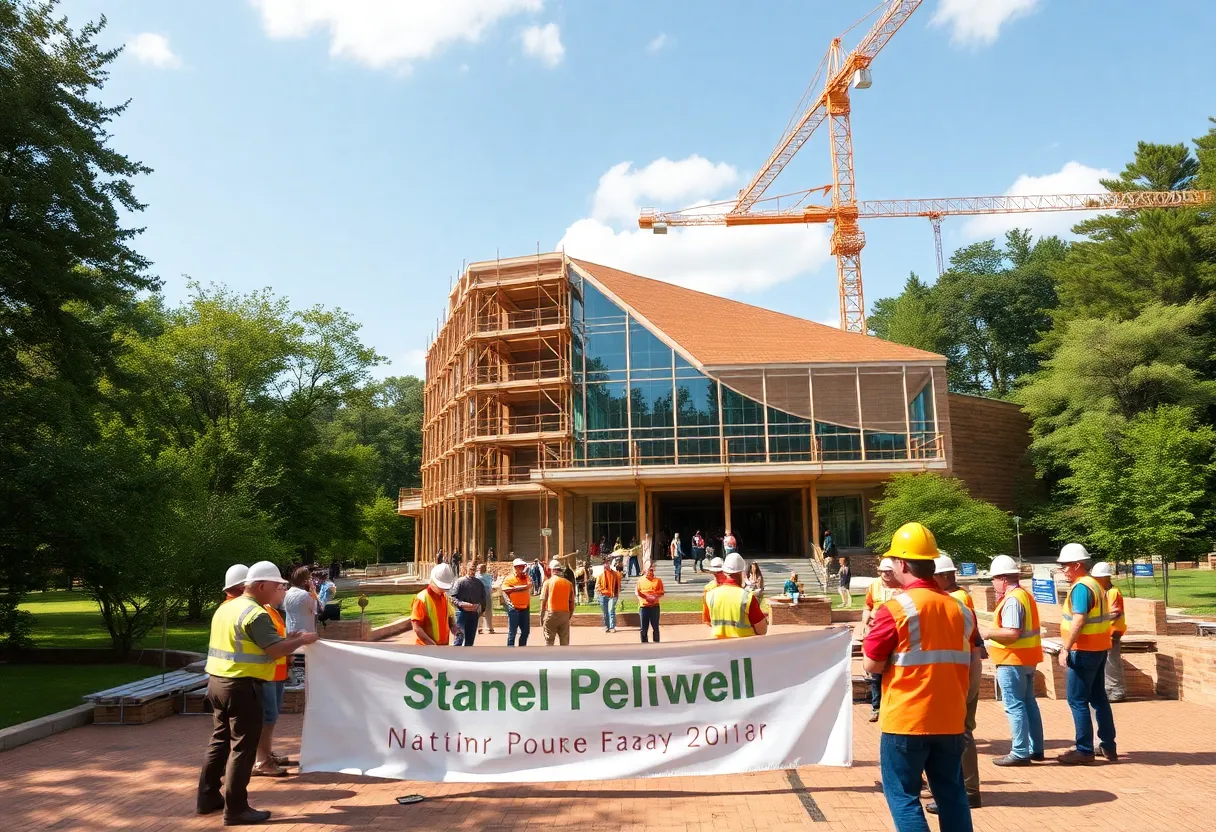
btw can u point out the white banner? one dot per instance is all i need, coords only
(482, 714)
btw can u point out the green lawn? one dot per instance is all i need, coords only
(1193, 589)
(71, 619)
(34, 690)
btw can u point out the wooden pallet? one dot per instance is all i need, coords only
(141, 702)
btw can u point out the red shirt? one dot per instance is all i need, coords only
(882, 639)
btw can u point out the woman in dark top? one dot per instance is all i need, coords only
(845, 575)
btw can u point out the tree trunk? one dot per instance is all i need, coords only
(194, 605)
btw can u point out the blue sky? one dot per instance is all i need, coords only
(354, 153)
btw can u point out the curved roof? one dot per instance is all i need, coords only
(756, 336)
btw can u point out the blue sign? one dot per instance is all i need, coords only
(1142, 570)
(1043, 590)
(967, 569)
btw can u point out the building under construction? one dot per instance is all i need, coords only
(568, 402)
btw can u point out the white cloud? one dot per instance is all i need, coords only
(153, 49)
(659, 41)
(1073, 178)
(978, 22)
(712, 259)
(413, 363)
(388, 33)
(544, 43)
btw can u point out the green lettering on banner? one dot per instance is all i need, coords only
(715, 686)
(523, 695)
(496, 686)
(637, 686)
(616, 693)
(747, 678)
(420, 690)
(582, 681)
(441, 685)
(734, 679)
(544, 690)
(683, 688)
(465, 697)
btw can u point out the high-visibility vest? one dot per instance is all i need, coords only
(230, 653)
(709, 587)
(560, 591)
(728, 605)
(924, 689)
(964, 596)
(608, 583)
(280, 627)
(1027, 651)
(878, 593)
(1118, 620)
(436, 625)
(1095, 635)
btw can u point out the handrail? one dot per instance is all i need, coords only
(546, 369)
(526, 319)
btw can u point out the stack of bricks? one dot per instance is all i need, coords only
(812, 611)
(1186, 669)
(356, 629)
(1145, 615)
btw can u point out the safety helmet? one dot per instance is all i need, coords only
(913, 542)
(555, 564)
(235, 576)
(1072, 553)
(715, 564)
(1102, 570)
(442, 576)
(943, 564)
(1003, 565)
(264, 570)
(519, 562)
(886, 565)
(734, 564)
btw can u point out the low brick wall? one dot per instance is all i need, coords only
(1186, 669)
(983, 596)
(393, 628)
(1145, 615)
(353, 630)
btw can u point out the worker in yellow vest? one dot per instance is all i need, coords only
(880, 591)
(1085, 637)
(946, 577)
(1116, 691)
(241, 656)
(729, 609)
(925, 644)
(715, 571)
(1015, 646)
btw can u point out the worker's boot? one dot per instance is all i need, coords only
(973, 800)
(1073, 757)
(1109, 752)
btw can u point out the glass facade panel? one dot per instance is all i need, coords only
(611, 522)
(648, 356)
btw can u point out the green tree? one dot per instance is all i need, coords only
(911, 318)
(966, 527)
(382, 525)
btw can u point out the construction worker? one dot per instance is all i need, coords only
(1015, 646)
(432, 612)
(1115, 689)
(268, 763)
(946, 577)
(517, 593)
(241, 655)
(608, 588)
(234, 582)
(556, 606)
(715, 570)
(1085, 640)
(729, 609)
(924, 643)
(879, 592)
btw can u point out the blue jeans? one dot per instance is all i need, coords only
(634, 568)
(518, 621)
(874, 683)
(650, 621)
(903, 757)
(1086, 688)
(698, 558)
(675, 562)
(608, 608)
(467, 621)
(1025, 723)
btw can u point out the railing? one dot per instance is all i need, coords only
(745, 451)
(548, 369)
(527, 319)
(538, 423)
(404, 495)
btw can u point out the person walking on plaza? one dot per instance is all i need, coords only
(516, 591)
(241, 652)
(880, 591)
(267, 763)
(698, 552)
(1015, 646)
(677, 555)
(432, 612)
(946, 577)
(1116, 691)
(537, 575)
(556, 606)
(649, 591)
(844, 579)
(487, 612)
(633, 569)
(608, 588)
(469, 596)
(729, 609)
(1085, 640)
(730, 544)
(921, 641)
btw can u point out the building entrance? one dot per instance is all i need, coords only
(765, 523)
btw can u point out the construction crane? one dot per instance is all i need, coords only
(832, 104)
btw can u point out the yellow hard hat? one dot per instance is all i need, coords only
(913, 542)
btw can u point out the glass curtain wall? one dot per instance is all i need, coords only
(634, 393)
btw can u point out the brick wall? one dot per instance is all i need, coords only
(352, 630)
(984, 597)
(1145, 615)
(1186, 669)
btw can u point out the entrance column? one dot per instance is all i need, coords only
(726, 502)
(804, 546)
(545, 524)
(643, 512)
(561, 523)
(815, 512)
(476, 547)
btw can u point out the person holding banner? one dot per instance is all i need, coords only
(608, 588)
(431, 613)
(729, 609)
(517, 592)
(923, 643)
(556, 606)
(1016, 647)
(650, 592)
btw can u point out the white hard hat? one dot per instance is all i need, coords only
(886, 565)
(519, 562)
(943, 564)
(235, 576)
(1072, 553)
(264, 570)
(442, 577)
(1102, 570)
(715, 564)
(555, 564)
(1003, 565)
(734, 564)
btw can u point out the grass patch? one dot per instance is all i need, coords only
(34, 690)
(72, 619)
(1192, 589)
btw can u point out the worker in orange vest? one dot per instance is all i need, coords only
(1085, 637)
(1015, 645)
(556, 606)
(946, 577)
(431, 613)
(925, 644)
(1116, 691)
(268, 763)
